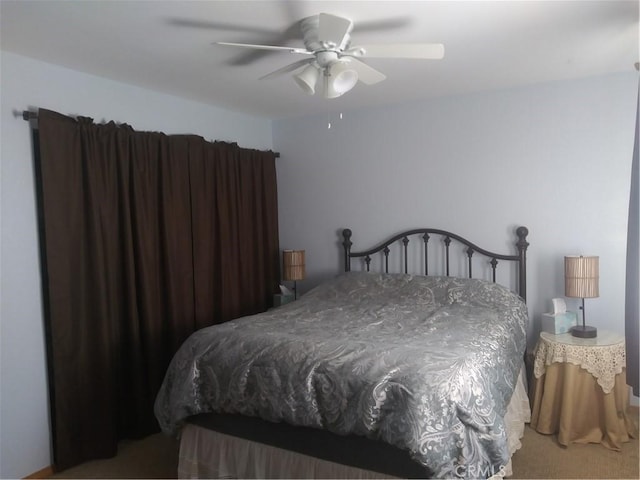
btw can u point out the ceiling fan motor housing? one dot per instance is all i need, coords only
(326, 58)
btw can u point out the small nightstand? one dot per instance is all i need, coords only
(579, 389)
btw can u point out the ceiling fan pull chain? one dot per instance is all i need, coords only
(340, 117)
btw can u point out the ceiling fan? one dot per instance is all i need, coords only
(331, 57)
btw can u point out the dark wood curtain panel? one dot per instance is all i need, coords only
(145, 238)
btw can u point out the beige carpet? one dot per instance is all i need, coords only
(152, 457)
(540, 457)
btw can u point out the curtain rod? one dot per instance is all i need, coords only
(29, 115)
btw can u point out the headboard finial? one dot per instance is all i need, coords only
(522, 233)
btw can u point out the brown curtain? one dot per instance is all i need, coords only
(145, 238)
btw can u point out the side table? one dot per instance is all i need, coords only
(579, 389)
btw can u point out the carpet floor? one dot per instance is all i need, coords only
(541, 456)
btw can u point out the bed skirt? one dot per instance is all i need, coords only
(206, 453)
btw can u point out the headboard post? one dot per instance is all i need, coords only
(522, 245)
(346, 243)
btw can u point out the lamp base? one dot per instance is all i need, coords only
(583, 331)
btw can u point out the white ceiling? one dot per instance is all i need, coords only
(167, 45)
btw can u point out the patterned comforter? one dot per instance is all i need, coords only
(427, 364)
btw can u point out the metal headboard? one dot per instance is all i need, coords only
(520, 257)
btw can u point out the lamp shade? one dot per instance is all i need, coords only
(581, 276)
(339, 79)
(307, 79)
(293, 265)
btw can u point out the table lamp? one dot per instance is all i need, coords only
(581, 276)
(293, 267)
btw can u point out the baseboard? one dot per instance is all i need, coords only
(46, 472)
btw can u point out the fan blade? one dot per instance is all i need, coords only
(288, 68)
(209, 25)
(431, 51)
(366, 74)
(376, 25)
(333, 30)
(267, 47)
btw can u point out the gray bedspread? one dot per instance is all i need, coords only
(427, 364)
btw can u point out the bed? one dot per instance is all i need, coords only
(370, 374)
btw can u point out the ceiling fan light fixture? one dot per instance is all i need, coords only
(307, 79)
(329, 52)
(339, 79)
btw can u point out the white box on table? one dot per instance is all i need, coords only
(281, 299)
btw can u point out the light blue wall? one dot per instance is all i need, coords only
(24, 421)
(554, 157)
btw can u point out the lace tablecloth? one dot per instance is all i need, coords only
(604, 357)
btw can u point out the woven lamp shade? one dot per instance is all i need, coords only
(293, 265)
(581, 276)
